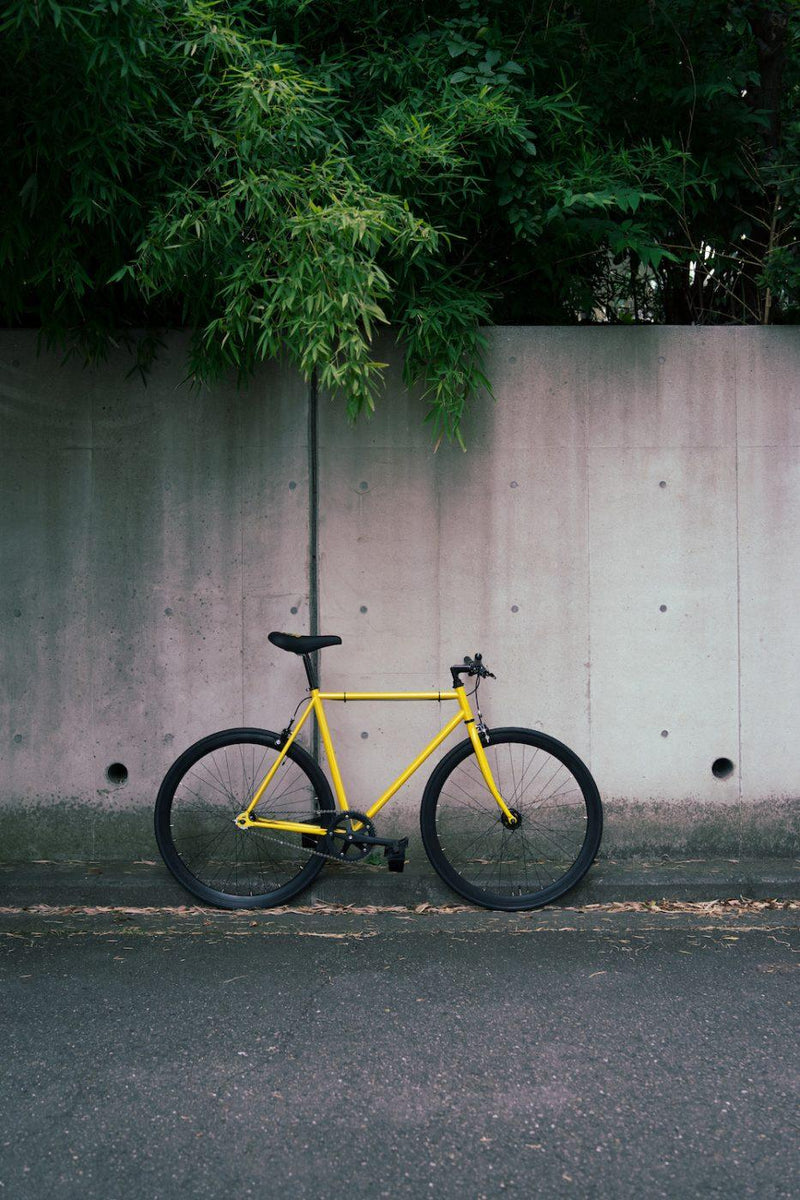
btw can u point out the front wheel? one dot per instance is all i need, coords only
(476, 849)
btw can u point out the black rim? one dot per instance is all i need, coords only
(549, 847)
(198, 824)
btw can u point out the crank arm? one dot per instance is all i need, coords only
(363, 839)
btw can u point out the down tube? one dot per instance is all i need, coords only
(418, 761)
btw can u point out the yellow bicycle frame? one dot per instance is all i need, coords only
(246, 819)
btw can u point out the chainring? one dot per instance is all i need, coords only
(341, 840)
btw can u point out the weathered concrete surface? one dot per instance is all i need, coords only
(153, 536)
(589, 543)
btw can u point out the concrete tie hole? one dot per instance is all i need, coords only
(117, 774)
(722, 768)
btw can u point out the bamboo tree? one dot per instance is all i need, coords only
(291, 176)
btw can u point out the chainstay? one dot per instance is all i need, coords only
(293, 845)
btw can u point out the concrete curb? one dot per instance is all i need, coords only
(148, 883)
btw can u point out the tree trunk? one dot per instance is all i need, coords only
(675, 294)
(769, 22)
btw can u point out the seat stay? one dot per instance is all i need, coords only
(246, 817)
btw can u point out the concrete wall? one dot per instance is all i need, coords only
(620, 541)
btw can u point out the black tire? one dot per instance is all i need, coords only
(207, 787)
(473, 848)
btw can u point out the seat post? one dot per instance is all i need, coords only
(311, 673)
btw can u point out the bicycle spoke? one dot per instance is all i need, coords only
(524, 860)
(215, 789)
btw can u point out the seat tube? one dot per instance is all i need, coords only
(327, 741)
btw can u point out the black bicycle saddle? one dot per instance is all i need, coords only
(303, 644)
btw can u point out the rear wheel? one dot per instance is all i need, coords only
(205, 790)
(553, 840)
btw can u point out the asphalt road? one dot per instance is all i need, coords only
(572, 1054)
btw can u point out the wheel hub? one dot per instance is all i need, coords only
(517, 819)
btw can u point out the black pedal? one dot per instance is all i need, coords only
(395, 854)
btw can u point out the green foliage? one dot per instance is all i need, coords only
(289, 176)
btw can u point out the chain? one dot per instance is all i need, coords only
(293, 845)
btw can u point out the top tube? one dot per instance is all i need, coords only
(345, 696)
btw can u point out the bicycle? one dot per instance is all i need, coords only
(511, 819)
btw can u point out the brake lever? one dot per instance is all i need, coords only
(473, 667)
(481, 670)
